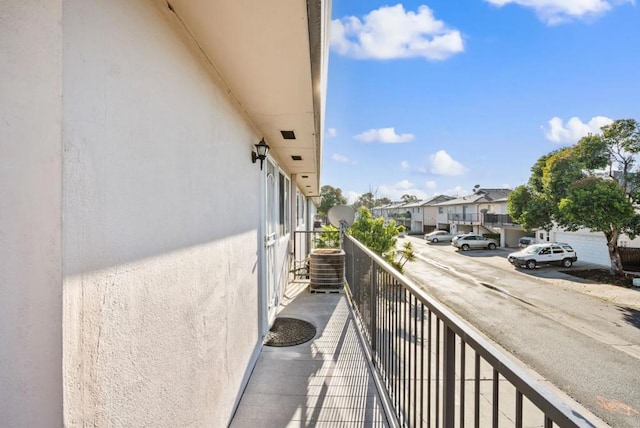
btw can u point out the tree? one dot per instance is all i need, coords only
(381, 238)
(330, 197)
(593, 185)
(381, 201)
(409, 198)
(364, 200)
(373, 232)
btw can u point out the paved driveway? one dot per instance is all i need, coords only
(583, 338)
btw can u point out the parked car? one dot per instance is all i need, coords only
(525, 241)
(536, 254)
(472, 241)
(438, 236)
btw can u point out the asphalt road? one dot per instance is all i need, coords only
(587, 347)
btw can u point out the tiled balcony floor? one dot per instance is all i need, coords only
(325, 382)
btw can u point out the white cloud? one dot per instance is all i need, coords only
(333, 132)
(351, 196)
(383, 135)
(430, 185)
(554, 12)
(403, 187)
(457, 191)
(574, 129)
(390, 32)
(339, 158)
(441, 163)
(404, 165)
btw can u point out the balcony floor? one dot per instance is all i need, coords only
(325, 382)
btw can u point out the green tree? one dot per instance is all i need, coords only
(329, 197)
(373, 232)
(404, 255)
(409, 198)
(381, 201)
(364, 200)
(592, 184)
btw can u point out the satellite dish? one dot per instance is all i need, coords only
(341, 216)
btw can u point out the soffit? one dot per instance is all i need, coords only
(261, 50)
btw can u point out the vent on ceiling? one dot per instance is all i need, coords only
(296, 157)
(288, 135)
(305, 176)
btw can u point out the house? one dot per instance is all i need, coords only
(412, 216)
(430, 210)
(484, 211)
(143, 251)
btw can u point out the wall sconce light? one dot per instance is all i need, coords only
(261, 152)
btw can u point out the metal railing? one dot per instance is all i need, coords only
(436, 370)
(499, 220)
(463, 218)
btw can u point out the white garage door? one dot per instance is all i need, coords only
(590, 248)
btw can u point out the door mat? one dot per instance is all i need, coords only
(289, 332)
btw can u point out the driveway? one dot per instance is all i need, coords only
(583, 338)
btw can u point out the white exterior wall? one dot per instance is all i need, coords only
(30, 214)
(161, 306)
(130, 222)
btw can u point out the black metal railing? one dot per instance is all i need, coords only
(499, 220)
(462, 218)
(435, 369)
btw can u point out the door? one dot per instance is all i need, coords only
(270, 241)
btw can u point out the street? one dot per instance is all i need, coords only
(588, 347)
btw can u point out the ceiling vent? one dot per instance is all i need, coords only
(296, 157)
(288, 135)
(305, 176)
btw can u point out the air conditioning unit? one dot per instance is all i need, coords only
(326, 269)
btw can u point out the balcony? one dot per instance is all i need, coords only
(499, 220)
(467, 218)
(386, 354)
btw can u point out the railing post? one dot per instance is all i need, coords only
(449, 377)
(373, 293)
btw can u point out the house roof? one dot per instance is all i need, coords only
(437, 200)
(481, 196)
(414, 204)
(271, 60)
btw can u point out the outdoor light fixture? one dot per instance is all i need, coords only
(261, 152)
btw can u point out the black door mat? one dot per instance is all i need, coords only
(289, 332)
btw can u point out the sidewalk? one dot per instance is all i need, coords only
(325, 382)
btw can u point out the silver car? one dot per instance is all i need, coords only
(438, 236)
(473, 241)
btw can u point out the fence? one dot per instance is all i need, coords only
(630, 258)
(436, 370)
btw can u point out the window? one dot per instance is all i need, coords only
(557, 250)
(440, 210)
(283, 204)
(300, 205)
(545, 251)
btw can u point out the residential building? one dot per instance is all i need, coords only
(143, 251)
(430, 211)
(484, 211)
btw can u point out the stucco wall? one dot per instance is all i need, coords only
(160, 210)
(30, 214)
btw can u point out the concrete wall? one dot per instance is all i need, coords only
(160, 265)
(30, 214)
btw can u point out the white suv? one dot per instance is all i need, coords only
(554, 252)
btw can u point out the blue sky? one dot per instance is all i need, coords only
(434, 97)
